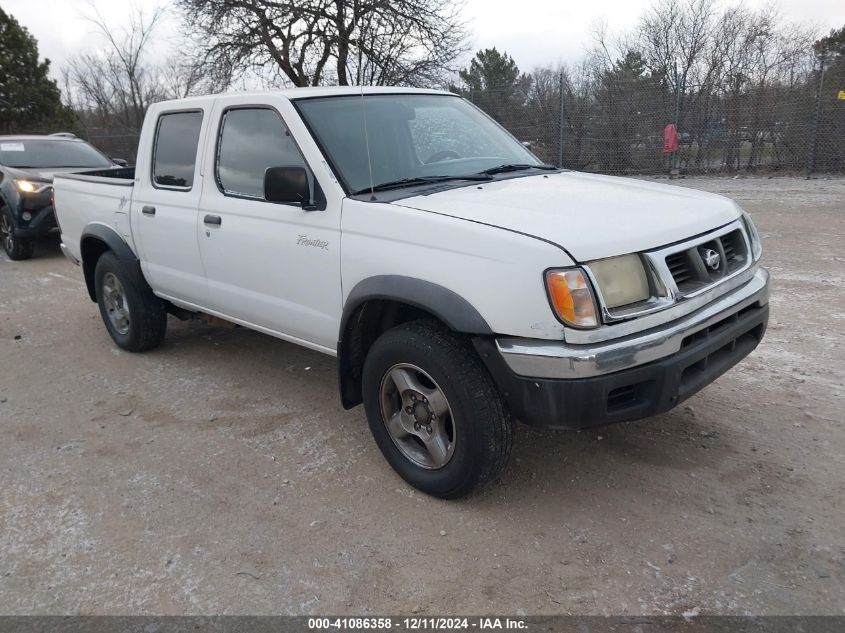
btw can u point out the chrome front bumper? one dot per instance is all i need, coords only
(551, 359)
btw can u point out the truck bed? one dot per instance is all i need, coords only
(100, 195)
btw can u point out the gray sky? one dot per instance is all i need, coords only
(537, 32)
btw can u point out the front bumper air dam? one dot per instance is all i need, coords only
(42, 223)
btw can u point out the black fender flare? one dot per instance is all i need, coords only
(451, 308)
(447, 305)
(107, 239)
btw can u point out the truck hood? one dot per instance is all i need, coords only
(588, 215)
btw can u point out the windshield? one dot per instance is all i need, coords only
(44, 154)
(410, 136)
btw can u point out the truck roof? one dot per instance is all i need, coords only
(308, 92)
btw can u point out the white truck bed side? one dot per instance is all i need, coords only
(89, 197)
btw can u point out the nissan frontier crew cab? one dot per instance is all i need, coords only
(460, 282)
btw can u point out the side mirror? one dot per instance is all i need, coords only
(527, 144)
(119, 161)
(287, 184)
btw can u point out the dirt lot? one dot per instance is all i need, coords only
(219, 474)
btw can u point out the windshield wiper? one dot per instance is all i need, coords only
(418, 180)
(501, 169)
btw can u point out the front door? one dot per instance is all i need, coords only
(271, 265)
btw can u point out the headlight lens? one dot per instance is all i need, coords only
(753, 236)
(31, 186)
(621, 280)
(572, 298)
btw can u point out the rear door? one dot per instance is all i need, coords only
(271, 265)
(165, 204)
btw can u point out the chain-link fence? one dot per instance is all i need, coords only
(617, 126)
(116, 142)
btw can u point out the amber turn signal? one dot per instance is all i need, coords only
(572, 298)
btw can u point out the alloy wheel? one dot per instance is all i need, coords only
(117, 307)
(417, 416)
(6, 233)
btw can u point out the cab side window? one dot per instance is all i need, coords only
(251, 140)
(175, 153)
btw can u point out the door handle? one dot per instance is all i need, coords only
(213, 220)
(148, 210)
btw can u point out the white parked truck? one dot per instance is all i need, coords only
(460, 282)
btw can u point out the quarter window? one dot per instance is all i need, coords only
(177, 138)
(252, 140)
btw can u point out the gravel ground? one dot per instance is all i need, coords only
(219, 473)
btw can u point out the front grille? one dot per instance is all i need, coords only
(679, 267)
(705, 264)
(734, 248)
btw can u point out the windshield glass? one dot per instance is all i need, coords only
(44, 154)
(409, 136)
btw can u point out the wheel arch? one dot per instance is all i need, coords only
(97, 239)
(379, 303)
(6, 204)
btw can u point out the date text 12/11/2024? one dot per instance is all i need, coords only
(416, 623)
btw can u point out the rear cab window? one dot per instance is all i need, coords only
(175, 150)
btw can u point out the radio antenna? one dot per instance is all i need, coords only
(367, 143)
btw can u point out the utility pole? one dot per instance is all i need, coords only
(814, 144)
(560, 122)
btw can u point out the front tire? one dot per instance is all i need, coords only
(135, 318)
(434, 410)
(16, 248)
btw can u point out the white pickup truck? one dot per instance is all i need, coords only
(460, 282)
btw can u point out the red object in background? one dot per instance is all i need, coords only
(670, 139)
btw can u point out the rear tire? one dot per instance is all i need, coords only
(135, 318)
(434, 410)
(16, 248)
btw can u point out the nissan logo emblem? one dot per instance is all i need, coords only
(711, 258)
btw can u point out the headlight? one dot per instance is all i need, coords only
(753, 236)
(31, 186)
(621, 280)
(572, 298)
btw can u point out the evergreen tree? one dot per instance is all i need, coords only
(832, 44)
(28, 97)
(493, 82)
(626, 94)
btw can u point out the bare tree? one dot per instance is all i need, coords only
(315, 42)
(111, 88)
(740, 81)
(181, 78)
(120, 82)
